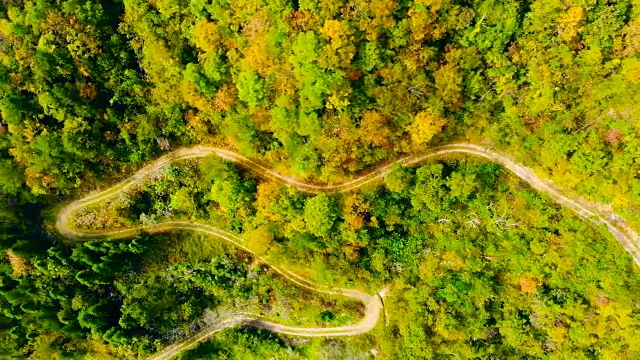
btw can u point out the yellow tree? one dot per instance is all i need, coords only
(379, 16)
(259, 53)
(569, 23)
(423, 18)
(631, 71)
(424, 127)
(260, 240)
(374, 129)
(266, 197)
(206, 36)
(340, 49)
(632, 37)
(19, 264)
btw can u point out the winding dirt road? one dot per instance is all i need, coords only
(373, 303)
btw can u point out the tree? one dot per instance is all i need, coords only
(425, 126)
(375, 129)
(10, 178)
(182, 200)
(449, 84)
(206, 36)
(569, 22)
(250, 88)
(398, 179)
(340, 49)
(234, 192)
(355, 210)
(462, 185)
(260, 239)
(428, 193)
(320, 213)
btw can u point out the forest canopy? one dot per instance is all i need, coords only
(321, 90)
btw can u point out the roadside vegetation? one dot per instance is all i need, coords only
(132, 296)
(477, 260)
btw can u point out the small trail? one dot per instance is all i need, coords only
(373, 303)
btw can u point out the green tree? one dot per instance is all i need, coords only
(250, 88)
(398, 179)
(320, 213)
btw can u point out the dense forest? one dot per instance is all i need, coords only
(476, 260)
(478, 264)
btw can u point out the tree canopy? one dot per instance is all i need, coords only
(478, 264)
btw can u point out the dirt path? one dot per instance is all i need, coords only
(373, 303)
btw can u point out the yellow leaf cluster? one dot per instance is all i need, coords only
(383, 8)
(335, 30)
(19, 264)
(423, 23)
(425, 126)
(196, 123)
(374, 129)
(260, 240)
(338, 100)
(631, 71)
(568, 23)
(340, 49)
(451, 259)
(257, 56)
(433, 5)
(225, 98)
(194, 97)
(266, 195)
(382, 11)
(632, 38)
(528, 284)
(206, 35)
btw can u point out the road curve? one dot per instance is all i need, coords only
(373, 303)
